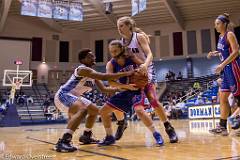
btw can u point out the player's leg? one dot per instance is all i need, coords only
(147, 121)
(77, 111)
(122, 102)
(234, 119)
(106, 112)
(121, 123)
(225, 111)
(92, 113)
(150, 91)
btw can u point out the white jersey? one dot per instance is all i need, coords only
(76, 84)
(134, 47)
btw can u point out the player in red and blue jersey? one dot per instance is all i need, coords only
(229, 68)
(130, 97)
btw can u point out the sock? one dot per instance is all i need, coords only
(223, 123)
(109, 131)
(121, 122)
(67, 137)
(69, 131)
(167, 124)
(152, 128)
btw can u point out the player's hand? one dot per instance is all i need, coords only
(219, 69)
(143, 69)
(129, 73)
(131, 87)
(212, 54)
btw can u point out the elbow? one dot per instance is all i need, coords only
(151, 57)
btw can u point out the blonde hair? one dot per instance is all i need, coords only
(133, 26)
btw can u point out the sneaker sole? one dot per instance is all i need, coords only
(62, 150)
(174, 141)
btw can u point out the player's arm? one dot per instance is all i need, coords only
(233, 55)
(136, 60)
(88, 72)
(114, 83)
(145, 46)
(105, 89)
(234, 46)
(213, 54)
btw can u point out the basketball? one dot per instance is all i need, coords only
(139, 79)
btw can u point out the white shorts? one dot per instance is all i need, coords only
(64, 100)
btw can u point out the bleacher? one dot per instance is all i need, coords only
(33, 113)
(206, 92)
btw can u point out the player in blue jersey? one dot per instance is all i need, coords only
(137, 43)
(67, 99)
(228, 50)
(124, 101)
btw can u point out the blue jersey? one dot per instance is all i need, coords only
(224, 48)
(231, 72)
(128, 66)
(125, 100)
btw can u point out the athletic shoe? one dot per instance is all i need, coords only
(171, 134)
(159, 140)
(64, 146)
(234, 122)
(122, 125)
(219, 130)
(87, 138)
(108, 140)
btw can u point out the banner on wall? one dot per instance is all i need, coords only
(76, 12)
(29, 7)
(57, 9)
(45, 9)
(138, 6)
(204, 111)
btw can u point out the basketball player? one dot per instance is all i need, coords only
(78, 107)
(228, 49)
(125, 100)
(234, 119)
(137, 43)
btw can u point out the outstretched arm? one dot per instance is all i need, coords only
(88, 72)
(105, 89)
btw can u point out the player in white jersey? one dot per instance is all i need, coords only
(137, 42)
(77, 107)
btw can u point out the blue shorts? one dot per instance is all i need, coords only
(231, 79)
(126, 100)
